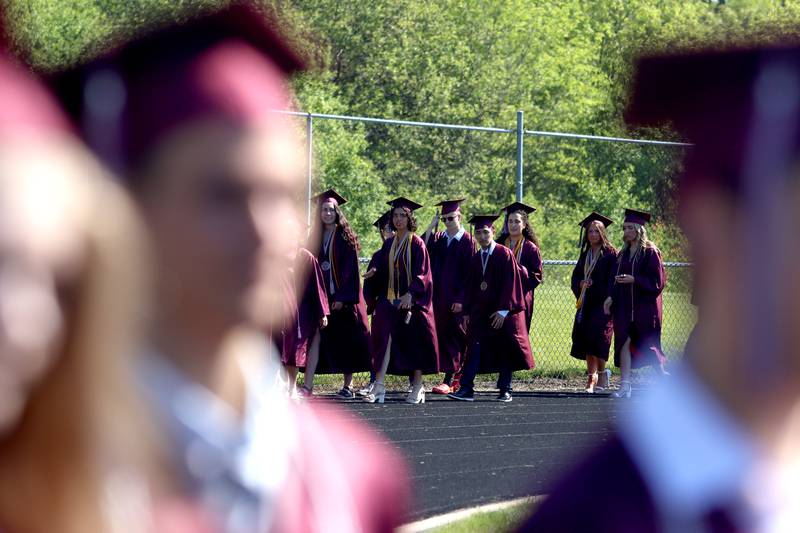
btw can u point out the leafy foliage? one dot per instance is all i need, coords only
(566, 64)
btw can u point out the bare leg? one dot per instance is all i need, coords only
(625, 371)
(591, 370)
(379, 389)
(311, 362)
(625, 361)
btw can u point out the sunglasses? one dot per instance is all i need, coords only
(450, 218)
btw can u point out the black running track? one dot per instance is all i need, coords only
(464, 454)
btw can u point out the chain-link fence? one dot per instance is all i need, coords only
(551, 335)
(503, 152)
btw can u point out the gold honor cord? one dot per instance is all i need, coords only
(587, 274)
(517, 246)
(395, 250)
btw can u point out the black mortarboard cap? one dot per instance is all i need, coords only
(518, 206)
(449, 206)
(595, 216)
(483, 221)
(383, 220)
(637, 217)
(330, 194)
(401, 201)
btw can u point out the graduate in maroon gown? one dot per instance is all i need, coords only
(344, 343)
(634, 300)
(518, 236)
(450, 252)
(593, 328)
(497, 338)
(384, 226)
(308, 302)
(711, 451)
(403, 328)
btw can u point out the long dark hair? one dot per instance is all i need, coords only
(605, 244)
(348, 234)
(412, 220)
(527, 230)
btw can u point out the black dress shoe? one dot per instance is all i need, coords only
(504, 397)
(462, 394)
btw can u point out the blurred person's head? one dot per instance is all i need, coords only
(217, 173)
(740, 109)
(71, 292)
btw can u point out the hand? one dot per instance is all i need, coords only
(607, 305)
(337, 306)
(625, 279)
(456, 308)
(497, 320)
(585, 284)
(323, 322)
(405, 301)
(369, 273)
(465, 320)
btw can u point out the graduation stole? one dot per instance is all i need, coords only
(588, 268)
(402, 248)
(517, 247)
(332, 258)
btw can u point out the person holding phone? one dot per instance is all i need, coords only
(497, 339)
(634, 301)
(403, 327)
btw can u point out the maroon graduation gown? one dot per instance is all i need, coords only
(508, 347)
(592, 329)
(530, 264)
(414, 345)
(309, 309)
(344, 344)
(370, 284)
(637, 307)
(620, 501)
(331, 445)
(450, 267)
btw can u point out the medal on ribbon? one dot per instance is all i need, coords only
(484, 285)
(326, 266)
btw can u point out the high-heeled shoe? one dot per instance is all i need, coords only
(603, 380)
(417, 395)
(592, 382)
(377, 394)
(624, 390)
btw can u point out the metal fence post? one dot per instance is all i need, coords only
(520, 148)
(309, 161)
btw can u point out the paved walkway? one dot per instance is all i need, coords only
(466, 454)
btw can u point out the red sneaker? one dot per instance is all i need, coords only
(442, 388)
(455, 386)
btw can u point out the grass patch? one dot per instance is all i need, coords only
(506, 519)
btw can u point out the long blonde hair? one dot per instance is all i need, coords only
(82, 422)
(642, 242)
